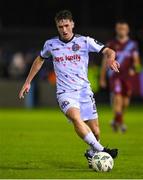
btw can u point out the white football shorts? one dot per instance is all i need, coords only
(86, 105)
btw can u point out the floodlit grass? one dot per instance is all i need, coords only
(40, 143)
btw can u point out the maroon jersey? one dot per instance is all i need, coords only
(124, 55)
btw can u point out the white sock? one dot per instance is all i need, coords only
(92, 141)
(92, 151)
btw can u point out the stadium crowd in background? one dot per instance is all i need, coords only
(15, 65)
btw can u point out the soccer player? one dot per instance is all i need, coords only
(69, 52)
(128, 56)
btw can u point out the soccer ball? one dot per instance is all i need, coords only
(102, 162)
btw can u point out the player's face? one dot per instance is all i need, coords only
(122, 30)
(65, 29)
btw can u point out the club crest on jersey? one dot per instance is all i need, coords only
(75, 47)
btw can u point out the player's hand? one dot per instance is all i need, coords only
(103, 83)
(25, 89)
(114, 65)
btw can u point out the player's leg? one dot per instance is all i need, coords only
(117, 103)
(118, 111)
(126, 102)
(93, 124)
(82, 129)
(71, 109)
(126, 94)
(118, 107)
(89, 114)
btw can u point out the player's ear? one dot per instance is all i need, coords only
(72, 24)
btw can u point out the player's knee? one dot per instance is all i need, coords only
(126, 102)
(74, 115)
(77, 122)
(118, 101)
(118, 98)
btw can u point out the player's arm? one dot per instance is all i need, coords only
(103, 74)
(109, 54)
(109, 57)
(37, 64)
(136, 62)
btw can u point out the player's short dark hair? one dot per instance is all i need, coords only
(64, 14)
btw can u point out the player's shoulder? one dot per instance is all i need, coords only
(132, 41)
(51, 40)
(89, 40)
(83, 36)
(80, 37)
(86, 39)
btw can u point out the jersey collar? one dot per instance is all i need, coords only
(68, 40)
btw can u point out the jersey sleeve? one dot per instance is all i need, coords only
(45, 52)
(135, 49)
(94, 45)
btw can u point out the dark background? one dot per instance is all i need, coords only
(91, 13)
(31, 22)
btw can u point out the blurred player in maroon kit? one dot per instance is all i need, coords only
(128, 56)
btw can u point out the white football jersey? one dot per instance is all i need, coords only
(70, 60)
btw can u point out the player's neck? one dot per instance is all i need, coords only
(67, 40)
(122, 39)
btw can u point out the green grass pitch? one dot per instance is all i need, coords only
(40, 143)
